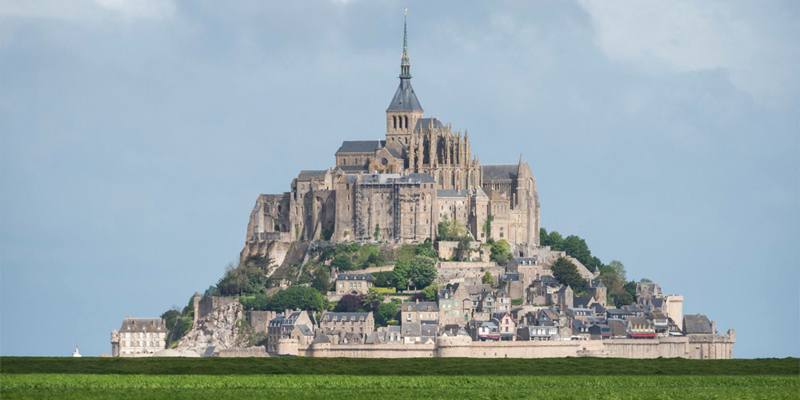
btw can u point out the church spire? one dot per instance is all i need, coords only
(405, 63)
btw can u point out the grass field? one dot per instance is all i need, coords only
(303, 378)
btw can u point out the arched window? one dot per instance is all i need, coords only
(405, 122)
(394, 121)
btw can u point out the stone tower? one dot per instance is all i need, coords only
(404, 110)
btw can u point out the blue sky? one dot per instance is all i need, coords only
(136, 135)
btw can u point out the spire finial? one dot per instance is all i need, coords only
(405, 63)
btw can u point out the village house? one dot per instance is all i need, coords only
(341, 323)
(289, 325)
(354, 284)
(139, 337)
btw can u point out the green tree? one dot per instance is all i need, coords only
(426, 249)
(372, 300)
(487, 227)
(431, 292)
(386, 313)
(248, 278)
(322, 280)
(501, 251)
(417, 273)
(488, 279)
(349, 303)
(343, 262)
(567, 274)
(297, 297)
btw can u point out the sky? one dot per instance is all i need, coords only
(135, 137)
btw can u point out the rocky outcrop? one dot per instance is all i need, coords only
(223, 328)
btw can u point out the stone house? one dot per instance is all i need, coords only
(354, 284)
(455, 306)
(337, 323)
(419, 312)
(139, 337)
(295, 325)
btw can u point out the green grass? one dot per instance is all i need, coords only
(408, 366)
(220, 387)
(407, 379)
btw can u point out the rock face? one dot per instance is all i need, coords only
(221, 329)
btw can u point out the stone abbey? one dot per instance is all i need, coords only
(399, 188)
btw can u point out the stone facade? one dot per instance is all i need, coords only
(398, 189)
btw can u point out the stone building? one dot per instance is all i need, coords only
(399, 188)
(340, 323)
(139, 337)
(295, 325)
(355, 284)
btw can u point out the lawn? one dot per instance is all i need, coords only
(303, 378)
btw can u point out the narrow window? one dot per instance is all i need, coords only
(394, 119)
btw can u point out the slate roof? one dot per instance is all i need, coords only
(345, 316)
(355, 277)
(421, 306)
(617, 328)
(404, 99)
(426, 123)
(353, 168)
(311, 174)
(451, 193)
(499, 173)
(360, 146)
(416, 178)
(697, 324)
(142, 325)
(428, 330)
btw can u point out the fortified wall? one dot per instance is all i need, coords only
(693, 347)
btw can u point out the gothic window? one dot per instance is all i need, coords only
(394, 121)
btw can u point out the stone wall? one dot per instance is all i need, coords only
(705, 347)
(398, 350)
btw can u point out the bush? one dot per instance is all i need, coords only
(501, 251)
(385, 290)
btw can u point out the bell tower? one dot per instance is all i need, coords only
(404, 110)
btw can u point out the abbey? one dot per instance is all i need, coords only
(398, 189)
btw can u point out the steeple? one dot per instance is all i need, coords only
(404, 111)
(405, 100)
(405, 63)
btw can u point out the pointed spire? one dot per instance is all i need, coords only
(405, 63)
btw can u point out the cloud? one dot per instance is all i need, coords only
(687, 36)
(87, 9)
(140, 8)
